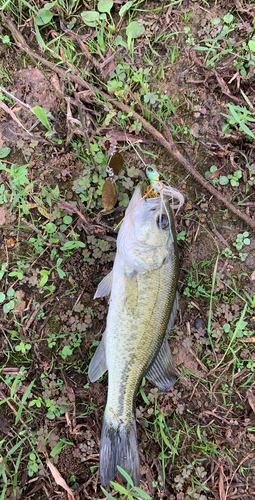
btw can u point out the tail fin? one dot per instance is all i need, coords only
(118, 447)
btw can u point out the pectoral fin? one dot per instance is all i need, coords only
(104, 287)
(97, 366)
(161, 373)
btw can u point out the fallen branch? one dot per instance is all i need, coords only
(170, 146)
(167, 144)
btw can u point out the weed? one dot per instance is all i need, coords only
(130, 492)
(10, 299)
(189, 481)
(223, 180)
(239, 115)
(241, 240)
(190, 40)
(49, 255)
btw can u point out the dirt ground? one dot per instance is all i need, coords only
(197, 441)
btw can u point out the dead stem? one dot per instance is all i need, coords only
(167, 144)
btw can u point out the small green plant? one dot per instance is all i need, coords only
(5, 39)
(189, 481)
(130, 492)
(233, 178)
(227, 252)
(23, 347)
(239, 115)
(241, 240)
(11, 298)
(118, 77)
(181, 236)
(190, 40)
(54, 409)
(32, 465)
(44, 116)
(45, 274)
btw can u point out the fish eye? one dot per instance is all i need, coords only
(149, 169)
(162, 221)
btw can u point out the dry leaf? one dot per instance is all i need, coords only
(60, 480)
(187, 206)
(215, 174)
(31, 205)
(55, 82)
(69, 388)
(19, 308)
(68, 420)
(109, 194)
(20, 294)
(251, 399)
(251, 437)
(11, 370)
(249, 339)
(10, 242)
(43, 212)
(2, 215)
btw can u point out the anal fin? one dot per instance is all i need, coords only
(97, 366)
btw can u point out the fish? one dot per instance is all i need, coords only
(142, 309)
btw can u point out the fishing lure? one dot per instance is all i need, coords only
(109, 191)
(161, 189)
(158, 188)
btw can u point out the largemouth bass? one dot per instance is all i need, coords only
(142, 310)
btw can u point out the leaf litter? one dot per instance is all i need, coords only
(227, 410)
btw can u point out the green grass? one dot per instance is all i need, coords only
(47, 331)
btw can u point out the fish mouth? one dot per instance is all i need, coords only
(155, 205)
(144, 203)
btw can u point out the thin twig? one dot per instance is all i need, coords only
(167, 144)
(36, 312)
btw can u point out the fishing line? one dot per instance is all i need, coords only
(160, 189)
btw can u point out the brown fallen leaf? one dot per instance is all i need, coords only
(109, 194)
(187, 206)
(251, 399)
(215, 174)
(10, 242)
(19, 308)
(251, 437)
(60, 480)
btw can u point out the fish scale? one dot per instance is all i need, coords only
(156, 301)
(142, 309)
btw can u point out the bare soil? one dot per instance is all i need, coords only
(209, 412)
